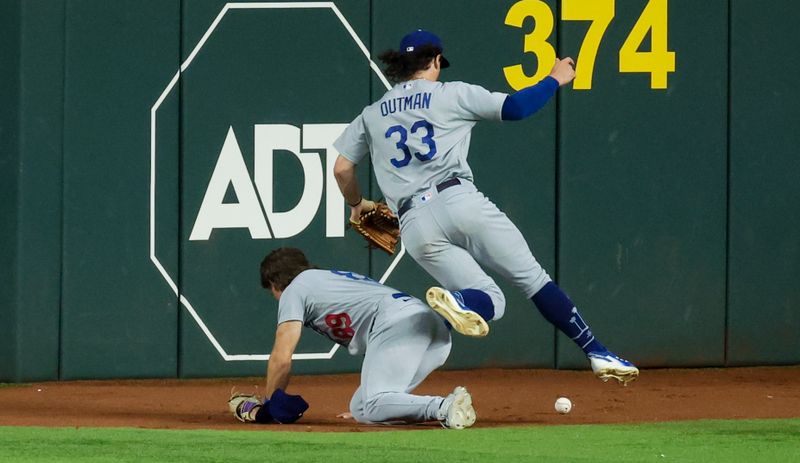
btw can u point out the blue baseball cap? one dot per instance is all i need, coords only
(419, 38)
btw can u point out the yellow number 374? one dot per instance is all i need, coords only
(658, 61)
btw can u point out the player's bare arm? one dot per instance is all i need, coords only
(563, 71)
(345, 172)
(277, 406)
(280, 360)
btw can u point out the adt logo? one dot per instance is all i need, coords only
(259, 216)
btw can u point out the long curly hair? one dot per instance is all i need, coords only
(400, 66)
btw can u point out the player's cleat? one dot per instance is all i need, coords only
(607, 365)
(244, 407)
(464, 321)
(456, 411)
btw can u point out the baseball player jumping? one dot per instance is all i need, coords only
(401, 339)
(418, 136)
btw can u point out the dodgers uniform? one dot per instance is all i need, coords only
(418, 134)
(401, 339)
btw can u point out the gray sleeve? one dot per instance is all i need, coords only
(352, 143)
(292, 305)
(474, 103)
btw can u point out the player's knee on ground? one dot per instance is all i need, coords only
(357, 406)
(398, 408)
(373, 412)
(359, 417)
(366, 412)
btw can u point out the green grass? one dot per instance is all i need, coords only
(701, 441)
(5, 385)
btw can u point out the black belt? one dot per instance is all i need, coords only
(408, 203)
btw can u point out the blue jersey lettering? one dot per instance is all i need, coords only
(400, 104)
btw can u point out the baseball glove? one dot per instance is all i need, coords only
(244, 406)
(379, 227)
(280, 408)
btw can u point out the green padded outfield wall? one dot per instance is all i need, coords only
(9, 160)
(764, 264)
(40, 190)
(118, 316)
(32, 188)
(152, 152)
(642, 190)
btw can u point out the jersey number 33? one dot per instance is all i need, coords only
(400, 134)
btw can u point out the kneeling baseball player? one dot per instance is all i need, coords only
(401, 339)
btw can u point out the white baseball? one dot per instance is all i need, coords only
(563, 405)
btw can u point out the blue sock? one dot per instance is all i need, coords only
(556, 307)
(476, 301)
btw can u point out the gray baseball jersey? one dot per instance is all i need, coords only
(402, 339)
(419, 134)
(339, 305)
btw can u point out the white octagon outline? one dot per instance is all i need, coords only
(182, 298)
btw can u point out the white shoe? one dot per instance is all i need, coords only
(456, 411)
(607, 365)
(462, 319)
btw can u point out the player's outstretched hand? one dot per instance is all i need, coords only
(364, 206)
(563, 71)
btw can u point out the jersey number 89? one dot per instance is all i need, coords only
(401, 142)
(340, 325)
